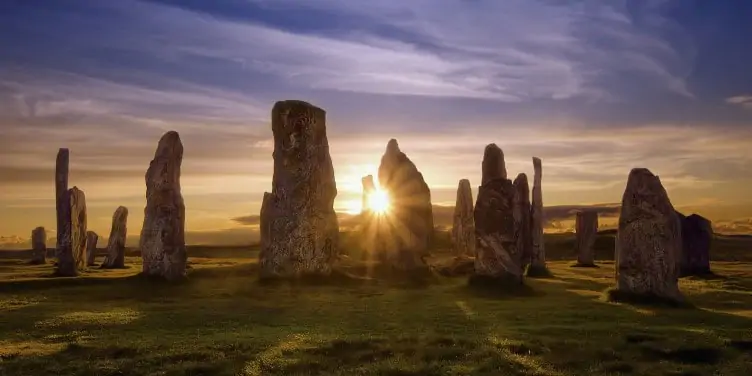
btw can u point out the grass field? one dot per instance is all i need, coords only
(222, 322)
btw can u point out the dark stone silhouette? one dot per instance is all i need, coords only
(299, 228)
(368, 188)
(522, 221)
(648, 241)
(66, 263)
(115, 257)
(697, 235)
(407, 231)
(493, 166)
(162, 241)
(91, 247)
(463, 225)
(538, 250)
(586, 229)
(78, 226)
(38, 246)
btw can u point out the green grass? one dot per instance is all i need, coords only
(222, 321)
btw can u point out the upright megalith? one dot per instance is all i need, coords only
(162, 241)
(522, 222)
(299, 228)
(407, 231)
(115, 257)
(493, 166)
(538, 250)
(91, 247)
(78, 226)
(368, 189)
(463, 224)
(586, 229)
(648, 242)
(697, 235)
(66, 264)
(497, 258)
(38, 246)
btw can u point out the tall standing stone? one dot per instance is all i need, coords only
(368, 189)
(91, 247)
(162, 241)
(299, 226)
(66, 264)
(38, 246)
(78, 226)
(697, 235)
(586, 229)
(497, 257)
(463, 226)
(115, 257)
(407, 232)
(522, 222)
(538, 252)
(648, 242)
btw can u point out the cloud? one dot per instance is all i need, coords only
(744, 101)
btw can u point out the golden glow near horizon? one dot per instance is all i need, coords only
(378, 202)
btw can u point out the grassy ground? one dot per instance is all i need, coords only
(222, 322)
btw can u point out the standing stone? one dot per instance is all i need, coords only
(66, 264)
(299, 226)
(38, 246)
(369, 222)
(78, 226)
(498, 258)
(648, 242)
(463, 226)
(538, 252)
(162, 241)
(586, 228)
(522, 222)
(91, 247)
(493, 166)
(115, 257)
(697, 235)
(368, 188)
(408, 231)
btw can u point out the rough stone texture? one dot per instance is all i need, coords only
(299, 226)
(162, 241)
(91, 247)
(522, 222)
(697, 235)
(66, 264)
(407, 231)
(496, 242)
(38, 246)
(115, 257)
(586, 229)
(493, 166)
(648, 240)
(538, 249)
(78, 226)
(463, 226)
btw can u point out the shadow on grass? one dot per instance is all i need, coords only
(538, 272)
(618, 296)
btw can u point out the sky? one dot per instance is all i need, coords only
(592, 87)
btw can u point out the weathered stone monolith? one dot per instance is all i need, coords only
(463, 225)
(407, 231)
(162, 241)
(91, 247)
(115, 257)
(522, 222)
(586, 229)
(648, 242)
(368, 188)
(38, 246)
(78, 226)
(498, 260)
(538, 250)
(66, 264)
(299, 227)
(697, 235)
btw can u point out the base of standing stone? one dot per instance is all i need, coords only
(37, 262)
(618, 296)
(507, 285)
(697, 272)
(534, 271)
(105, 266)
(460, 266)
(580, 265)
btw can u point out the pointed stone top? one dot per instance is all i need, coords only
(641, 180)
(493, 166)
(367, 180)
(75, 188)
(121, 209)
(392, 147)
(464, 184)
(63, 150)
(294, 104)
(169, 146)
(521, 180)
(536, 163)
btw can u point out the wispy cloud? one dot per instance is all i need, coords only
(744, 101)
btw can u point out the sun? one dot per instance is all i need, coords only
(378, 202)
